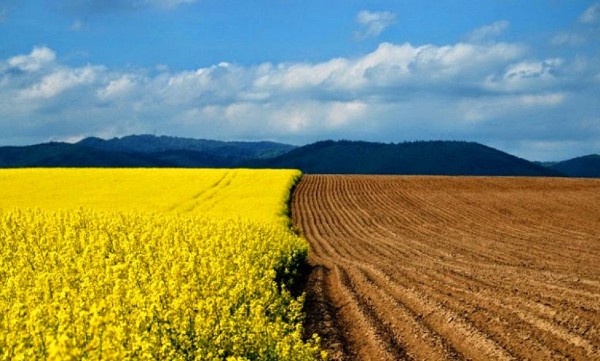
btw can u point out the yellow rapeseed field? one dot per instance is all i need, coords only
(149, 264)
(225, 193)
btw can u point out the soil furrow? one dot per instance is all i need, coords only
(447, 268)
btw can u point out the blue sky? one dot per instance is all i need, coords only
(522, 76)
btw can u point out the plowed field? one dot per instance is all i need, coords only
(445, 268)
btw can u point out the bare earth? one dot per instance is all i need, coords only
(445, 268)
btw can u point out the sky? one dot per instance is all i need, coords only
(521, 76)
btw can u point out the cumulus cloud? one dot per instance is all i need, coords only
(591, 14)
(34, 61)
(59, 81)
(488, 31)
(526, 75)
(374, 23)
(475, 91)
(117, 88)
(389, 66)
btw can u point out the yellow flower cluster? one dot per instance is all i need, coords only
(148, 270)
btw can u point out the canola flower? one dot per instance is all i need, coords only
(140, 277)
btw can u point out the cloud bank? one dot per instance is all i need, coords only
(492, 92)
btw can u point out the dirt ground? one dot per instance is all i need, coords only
(452, 268)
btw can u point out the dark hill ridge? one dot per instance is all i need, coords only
(329, 157)
(139, 151)
(146, 143)
(68, 155)
(586, 166)
(419, 158)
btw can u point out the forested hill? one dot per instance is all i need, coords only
(150, 144)
(140, 151)
(67, 155)
(424, 157)
(586, 166)
(327, 157)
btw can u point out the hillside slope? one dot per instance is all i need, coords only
(69, 155)
(586, 166)
(146, 144)
(139, 151)
(426, 157)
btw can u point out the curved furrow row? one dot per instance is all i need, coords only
(517, 238)
(415, 228)
(525, 249)
(586, 306)
(344, 218)
(451, 268)
(324, 314)
(459, 305)
(405, 323)
(379, 335)
(460, 334)
(501, 320)
(327, 229)
(306, 219)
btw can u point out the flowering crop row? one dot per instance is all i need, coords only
(138, 281)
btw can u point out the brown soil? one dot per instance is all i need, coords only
(444, 268)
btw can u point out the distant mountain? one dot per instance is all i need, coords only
(160, 144)
(586, 166)
(544, 164)
(329, 157)
(68, 155)
(426, 158)
(193, 159)
(140, 151)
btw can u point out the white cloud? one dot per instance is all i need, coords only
(38, 58)
(117, 88)
(374, 23)
(488, 31)
(511, 108)
(304, 75)
(393, 93)
(528, 69)
(464, 58)
(217, 83)
(390, 65)
(526, 75)
(591, 14)
(342, 114)
(59, 81)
